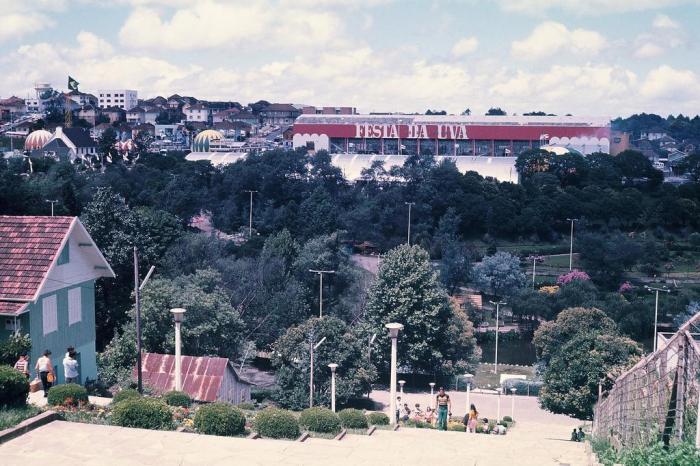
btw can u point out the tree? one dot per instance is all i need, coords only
(691, 166)
(105, 145)
(607, 258)
(495, 111)
(500, 273)
(455, 266)
(467, 111)
(291, 360)
(578, 350)
(407, 291)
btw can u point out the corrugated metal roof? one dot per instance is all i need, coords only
(201, 376)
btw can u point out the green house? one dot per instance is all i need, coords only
(48, 268)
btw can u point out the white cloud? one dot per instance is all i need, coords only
(665, 34)
(667, 83)
(465, 46)
(215, 24)
(16, 25)
(587, 7)
(551, 38)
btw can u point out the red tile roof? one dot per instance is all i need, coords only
(12, 308)
(201, 376)
(28, 246)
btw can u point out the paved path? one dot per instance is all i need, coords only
(37, 399)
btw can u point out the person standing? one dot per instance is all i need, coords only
(444, 406)
(70, 367)
(472, 418)
(44, 368)
(22, 365)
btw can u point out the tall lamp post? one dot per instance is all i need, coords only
(401, 384)
(50, 201)
(512, 403)
(178, 314)
(312, 348)
(571, 243)
(409, 204)
(495, 359)
(432, 394)
(393, 328)
(333, 367)
(656, 307)
(498, 408)
(320, 289)
(468, 378)
(250, 215)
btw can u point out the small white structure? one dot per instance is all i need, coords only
(121, 98)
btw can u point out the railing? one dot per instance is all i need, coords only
(657, 399)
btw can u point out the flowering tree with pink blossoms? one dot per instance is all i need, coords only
(571, 276)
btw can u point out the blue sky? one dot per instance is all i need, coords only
(597, 57)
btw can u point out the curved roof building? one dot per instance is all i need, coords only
(37, 139)
(202, 140)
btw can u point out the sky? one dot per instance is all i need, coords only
(585, 57)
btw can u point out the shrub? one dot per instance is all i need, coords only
(145, 413)
(276, 423)
(219, 419)
(456, 427)
(126, 394)
(378, 419)
(11, 416)
(13, 347)
(175, 398)
(261, 394)
(321, 420)
(418, 424)
(70, 394)
(246, 406)
(352, 419)
(14, 387)
(507, 419)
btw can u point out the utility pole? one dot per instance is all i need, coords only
(52, 202)
(656, 307)
(139, 379)
(320, 289)
(571, 244)
(250, 216)
(495, 359)
(409, 204)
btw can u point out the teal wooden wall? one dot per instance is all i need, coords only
(24, 324)
(80, 335)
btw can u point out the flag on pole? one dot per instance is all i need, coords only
(73, 84)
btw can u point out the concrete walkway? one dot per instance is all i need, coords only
(37, 399)
(67, 444)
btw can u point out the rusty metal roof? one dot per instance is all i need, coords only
(201, 376)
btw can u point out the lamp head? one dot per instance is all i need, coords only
(333, 366)
(513, 390)
(178, 314)
(432, 384)
(468, 376)
(401, 382)
(394, 328)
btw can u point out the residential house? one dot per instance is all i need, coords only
(135, 116)
(175, 102)
(233, 129)
(223, 115)
(115, 114)
(204, 379)
(11, 106)
(150, 113)
(245, 117)
(145, 128)
(99, 130)
(329, 110)
(196, 112)
(88, 113)
(280, 114)
(78, 140)
(82, 98)
(48, 269)
(653, 134)
(159, 101)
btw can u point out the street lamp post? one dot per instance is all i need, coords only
(178, 314)
(468, 377)
(401, 384)
(250, 215)
(393, 328)
(409, 204)
(512, 403)
(498, 408)
(571, 243)
(432, 394)
(333, 367)
(320, 289)
(52, 202)
(656, 307)
(312, 348)
(495, 359)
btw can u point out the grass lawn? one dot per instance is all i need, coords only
(10, 417)
(485, 376)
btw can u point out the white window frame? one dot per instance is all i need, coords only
(49, 314)
(75, 306)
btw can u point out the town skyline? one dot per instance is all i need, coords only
(585, 58)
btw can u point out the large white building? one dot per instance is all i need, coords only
(120, 98)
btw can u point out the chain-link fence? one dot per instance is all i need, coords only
(657, 399)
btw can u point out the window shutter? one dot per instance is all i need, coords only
(75, 309)
(49, 314)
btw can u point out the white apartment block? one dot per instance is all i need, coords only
(120, 98)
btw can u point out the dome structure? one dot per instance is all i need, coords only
(560, 150)
(201, 141)
(37, 139)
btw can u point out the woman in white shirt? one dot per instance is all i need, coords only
(70, 367)
(44, 367)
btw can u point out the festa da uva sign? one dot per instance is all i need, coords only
(439, 131)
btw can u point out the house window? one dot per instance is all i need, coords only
(64, 256)
(49, 314)
(12, 325)
(75, 310)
